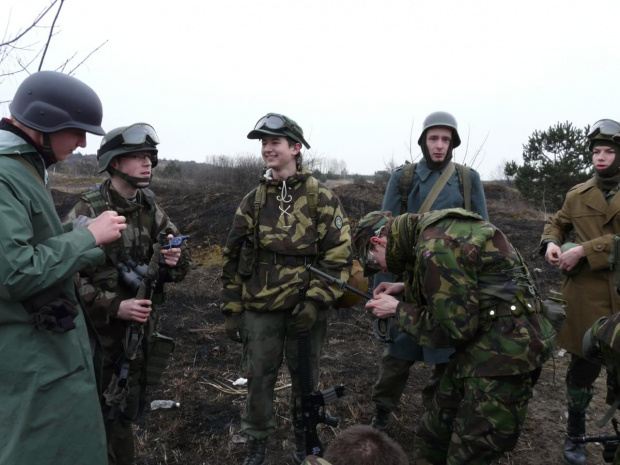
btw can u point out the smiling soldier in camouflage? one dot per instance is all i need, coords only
(268, 297)
(465, 287)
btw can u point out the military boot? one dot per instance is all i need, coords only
(380, 419)
(575, 454)
(256, 454)
(300, 448)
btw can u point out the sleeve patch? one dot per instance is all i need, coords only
(338, 222)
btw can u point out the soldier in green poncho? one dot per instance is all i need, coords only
(468, 288)
(268, 297)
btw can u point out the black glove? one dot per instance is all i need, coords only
(305, 315)
(233, 325)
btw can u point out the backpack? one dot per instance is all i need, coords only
(405, 184)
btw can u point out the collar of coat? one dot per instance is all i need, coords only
(423, 171)
(299, 177)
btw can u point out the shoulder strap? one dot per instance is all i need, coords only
(313, 198)
(437, 187)
(96, 201)
(405, 184)
(28, 166)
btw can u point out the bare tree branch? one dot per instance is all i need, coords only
(51, 34)
(35, 22)
(87, 56)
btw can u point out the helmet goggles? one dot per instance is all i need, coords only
(605, 127)
(136, 134)
(276, 122)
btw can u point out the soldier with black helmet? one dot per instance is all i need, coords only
(48, 397)
(434, 183)
(268, 297)
(592, 210)
(110, 290)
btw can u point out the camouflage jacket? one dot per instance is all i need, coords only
(287, 240)
(467, 287)
(100, 286)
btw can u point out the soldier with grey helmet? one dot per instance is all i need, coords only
(110, 290)
(434, 183)
(50, 366)
(592, 210)
(268, 297)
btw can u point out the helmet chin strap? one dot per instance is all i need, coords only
(131, 179)
(47, 149)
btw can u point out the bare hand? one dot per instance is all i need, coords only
(383, 306)
(107, 227)
(171, 256)
(389, 288)
(135, 310)
(570, 258)
(552, 255)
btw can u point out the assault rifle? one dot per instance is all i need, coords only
(381, 327)
(115, 393)
(313, 402)
(610, 442)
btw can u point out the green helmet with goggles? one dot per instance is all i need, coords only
(604, 130)
(374, 224)
(275, 124)
(139, 137)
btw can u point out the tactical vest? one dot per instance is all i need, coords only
(405, 184)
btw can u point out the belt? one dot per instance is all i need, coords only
(272, 258)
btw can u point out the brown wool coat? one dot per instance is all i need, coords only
(590, 293)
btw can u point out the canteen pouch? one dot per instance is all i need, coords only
(160, 348)
(52, 310)
(553, 309)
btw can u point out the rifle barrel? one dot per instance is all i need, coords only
(340, 282)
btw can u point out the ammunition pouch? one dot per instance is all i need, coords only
(246, 262)
(160, 348)
(52, 310)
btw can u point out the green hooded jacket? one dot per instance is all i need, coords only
(49, 402)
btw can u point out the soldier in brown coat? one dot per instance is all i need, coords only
(592, 210)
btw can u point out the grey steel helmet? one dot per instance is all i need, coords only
(441, 118)
(49, 101)
(139, 137)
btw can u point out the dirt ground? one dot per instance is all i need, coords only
(206, 427)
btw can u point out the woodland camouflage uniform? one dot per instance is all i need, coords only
(103, 291)
(467, 287)
(265, 293)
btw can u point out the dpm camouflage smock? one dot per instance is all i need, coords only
(287, 240)
(100, 287)
(467, 287)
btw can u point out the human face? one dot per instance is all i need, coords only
(137, 165)
(602, 157)
(279, 155)
(66, 141)
(438, 141)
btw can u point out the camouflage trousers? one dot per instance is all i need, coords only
(268, 338)
(472, 420)
(580, 377)
(393, 377)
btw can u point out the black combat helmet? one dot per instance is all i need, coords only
(49, 101)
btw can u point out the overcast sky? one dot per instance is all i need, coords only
(355, 74)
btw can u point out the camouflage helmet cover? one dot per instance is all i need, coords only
(372, 225)
(107, 153)
(441, 119)
(288, 128)
(49, 101)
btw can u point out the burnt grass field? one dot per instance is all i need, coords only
(206, 428)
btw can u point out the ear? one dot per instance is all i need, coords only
(114, 163)
(297, 148)
(382, 241)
